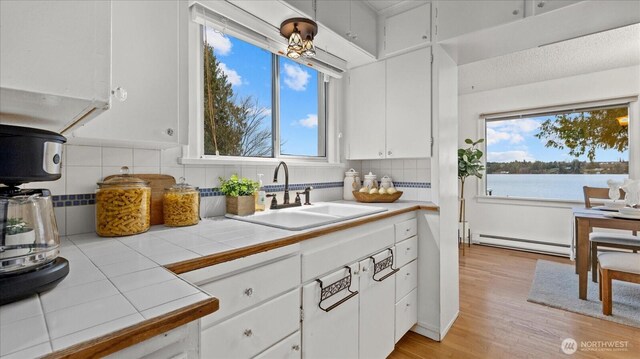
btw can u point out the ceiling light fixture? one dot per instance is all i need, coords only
(300, 32)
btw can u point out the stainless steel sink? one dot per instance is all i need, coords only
(304, 217)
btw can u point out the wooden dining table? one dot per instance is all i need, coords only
(585, 221)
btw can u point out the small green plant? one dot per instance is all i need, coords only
(16, 226)
(235, 187)
(469, 162)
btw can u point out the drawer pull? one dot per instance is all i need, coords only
(407, 230)
(248, 292)
(408, 305)
(335, 288)
(296, 348)
(408, 274)
(382, 265)
(249, 332)
(408, 249)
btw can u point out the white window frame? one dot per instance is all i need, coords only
(634, 144)
(193, 153)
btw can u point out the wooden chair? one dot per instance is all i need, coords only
(606, 239)
(619, 266)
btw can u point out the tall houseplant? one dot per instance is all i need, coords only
(240, 194)
(469, 164)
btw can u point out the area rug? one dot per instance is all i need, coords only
(556, 285)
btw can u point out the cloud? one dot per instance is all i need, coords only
(232, 75)
(295, 77)
(511, 131)
(310, 121)
(509, 156)
(221, 44)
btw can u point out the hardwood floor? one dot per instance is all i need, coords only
(496, 321)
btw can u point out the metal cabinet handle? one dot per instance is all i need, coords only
(380, 154)
(248, 292)
(335, 288)
(408, 274)
(249, 332)
(389, 153)
(382, 265)
(408, 305)
(296, 347)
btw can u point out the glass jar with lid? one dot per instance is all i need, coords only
(181, 205)
(123, 205)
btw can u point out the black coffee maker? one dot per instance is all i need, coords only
(29, 243)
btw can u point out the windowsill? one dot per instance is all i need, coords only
(292, 162)
(532, 202)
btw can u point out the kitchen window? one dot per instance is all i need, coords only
(553, 154)
(258, 104)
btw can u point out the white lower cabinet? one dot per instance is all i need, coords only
(288, 348)
(330, 320)
(406, 313)
(178, 343)
(254, 331)
(377, 296)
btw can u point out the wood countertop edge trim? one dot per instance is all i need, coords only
(134, 334)
(207, 261)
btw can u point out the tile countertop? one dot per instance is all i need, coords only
(115, 283)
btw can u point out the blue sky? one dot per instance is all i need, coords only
(248, 68)
(514, 140)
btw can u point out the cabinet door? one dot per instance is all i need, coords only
(461, 17)
(377, 309)
(333, 333)
(408, 122)
(144, 63)
(407, 29)
(353, 20)
(366, 123)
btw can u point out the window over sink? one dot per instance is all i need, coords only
(257, 103)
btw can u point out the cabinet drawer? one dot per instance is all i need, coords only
(406, 229)
(248, 288)
(406, 279)
(406, 313)
(406, 251)
(252, 332)
(288, 348)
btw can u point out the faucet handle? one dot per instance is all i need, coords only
(306, 195)
(274, 200)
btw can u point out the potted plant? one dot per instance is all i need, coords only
(18, 232)
(240, 194)
(469, 164)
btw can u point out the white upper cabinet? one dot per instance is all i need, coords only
(390, 108)
(544, 6)
(455, 18)
(408, 29)
(147, 64)
(353, 20)
(366, 122)
(55, 62)
(409, 105)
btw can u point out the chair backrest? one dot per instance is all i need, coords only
(596, 192)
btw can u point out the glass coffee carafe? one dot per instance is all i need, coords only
(28, 231)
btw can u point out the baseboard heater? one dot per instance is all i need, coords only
(514, 241)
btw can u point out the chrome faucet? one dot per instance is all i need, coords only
(285, 204)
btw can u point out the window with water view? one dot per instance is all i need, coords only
(239, 97)
(553, 156)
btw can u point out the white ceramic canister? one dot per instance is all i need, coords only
(385, 182)
(370, 181)
(351, 183)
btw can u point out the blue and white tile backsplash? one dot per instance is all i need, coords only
(84, 166)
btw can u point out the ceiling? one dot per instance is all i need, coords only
(598, 52)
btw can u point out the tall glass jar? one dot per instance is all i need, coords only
(123, 205)
(181, 205)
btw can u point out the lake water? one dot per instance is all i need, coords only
(568, 186)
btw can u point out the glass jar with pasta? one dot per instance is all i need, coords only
(123, 205)
(181, 205)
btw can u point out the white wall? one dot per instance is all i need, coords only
(549, 222)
